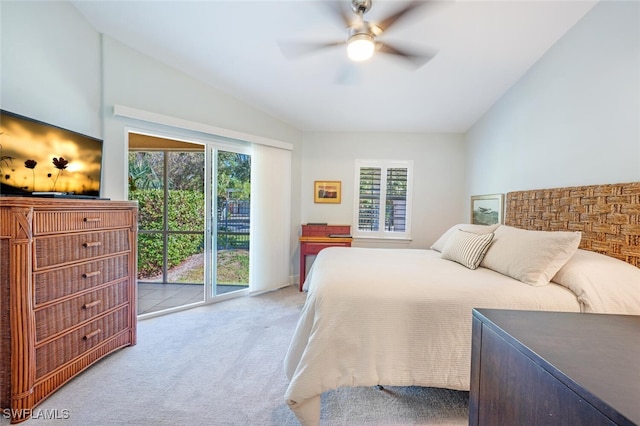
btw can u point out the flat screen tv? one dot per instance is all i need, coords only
(40, 159)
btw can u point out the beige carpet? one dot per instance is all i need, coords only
(222, 365)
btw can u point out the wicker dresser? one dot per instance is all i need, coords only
(67, 292)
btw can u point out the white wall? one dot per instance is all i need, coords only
(438, 192)
(573, 119)
(42, 80)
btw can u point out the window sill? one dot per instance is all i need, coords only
(360, 237)
(379, 241)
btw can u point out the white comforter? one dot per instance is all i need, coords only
(395, 317)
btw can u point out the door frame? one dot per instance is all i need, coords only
(211, 146)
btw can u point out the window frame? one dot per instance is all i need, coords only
(381, 233)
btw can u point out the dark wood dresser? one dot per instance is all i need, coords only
(554, 368)
(67, 292)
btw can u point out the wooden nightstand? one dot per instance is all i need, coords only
(317, 237)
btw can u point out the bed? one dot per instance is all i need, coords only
(402, 317)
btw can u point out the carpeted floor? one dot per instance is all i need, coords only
(222, 365)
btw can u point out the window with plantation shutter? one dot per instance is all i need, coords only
(383, 199)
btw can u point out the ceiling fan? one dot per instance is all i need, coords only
(363, 38)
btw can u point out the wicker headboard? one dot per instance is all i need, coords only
(607, 215)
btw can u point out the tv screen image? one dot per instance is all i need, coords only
(37, 158)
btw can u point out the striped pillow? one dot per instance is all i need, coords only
(467, 248)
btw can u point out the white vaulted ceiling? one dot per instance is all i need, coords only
(483, 48)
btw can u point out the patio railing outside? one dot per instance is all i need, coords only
(233, 225)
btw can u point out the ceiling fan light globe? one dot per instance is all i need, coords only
(360, 47)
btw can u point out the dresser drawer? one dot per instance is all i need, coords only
(56, 283)
(61, 316)
(75, 343)
(52, 222)
(61, 249)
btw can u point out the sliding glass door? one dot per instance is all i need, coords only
(232, 222)
(186, 192)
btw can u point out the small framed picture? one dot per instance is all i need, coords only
(487, 209)
(327, 191)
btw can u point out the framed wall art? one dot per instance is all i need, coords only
(327, 191)
(487, 209)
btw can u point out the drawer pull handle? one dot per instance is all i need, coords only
(91, 304)
(90, 274)
(92, 334)
(92, 244)
(92, 219)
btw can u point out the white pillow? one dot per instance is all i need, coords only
(469, 227)
(467, 248)
(601, 283)
(532, 257)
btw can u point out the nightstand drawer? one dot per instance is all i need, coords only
(314, 248)
(61, 249)
(61, 316)
(54, 284)
(52, 222)
(67, 347)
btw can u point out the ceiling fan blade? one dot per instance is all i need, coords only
(337, 8)
(295, 49)
(392, 19)
(416, 59)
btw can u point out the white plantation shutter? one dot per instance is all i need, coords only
(369, 199)
(383, 190)
(396, 201)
